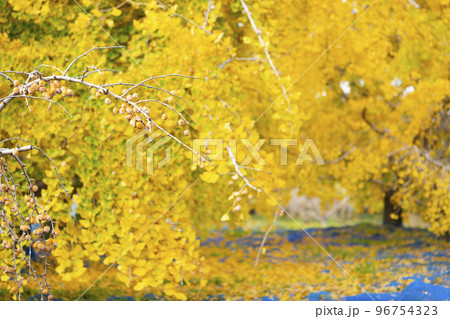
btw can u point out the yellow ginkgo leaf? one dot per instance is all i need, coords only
(96, 12)
(116, 12)
(209, 177)
(139, 286)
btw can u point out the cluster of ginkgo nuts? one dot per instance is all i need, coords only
(48, 89)
(7, 201)
(135, 114)
(10, 271)
(236, 206)
(41, 244)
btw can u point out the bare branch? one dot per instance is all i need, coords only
(48, 66)
(266, 51)
(11, 151)
(207, 12)
(16, 72)
(147, 87)
(7, 77)
(96, 70)
(238, 171)
(37, 78)
(101, 88)
(31, 97)
(156, 77)
(232, 58)
(176, 139)
(165, 104)
(117, 7)
(263, 241)
(87, 52)
(372, 126)
(14, 138)
(163, 6)
(385, 132)
(54, 167)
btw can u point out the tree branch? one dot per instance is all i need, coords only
(266, 51)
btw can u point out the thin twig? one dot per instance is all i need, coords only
(14, 138)
(261, 246)
(34, 97)
(238, 171)
(156, 77)
(266, 51)
(207, 12)
(48, 66)
(7, 77)
(163, 6)
(87, 52)
(165, 104)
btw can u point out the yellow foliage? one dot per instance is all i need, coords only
(375, 106)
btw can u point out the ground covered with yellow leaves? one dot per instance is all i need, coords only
(379, 263)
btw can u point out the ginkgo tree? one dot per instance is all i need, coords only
(366, 81)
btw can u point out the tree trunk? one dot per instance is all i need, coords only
(390, 209)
